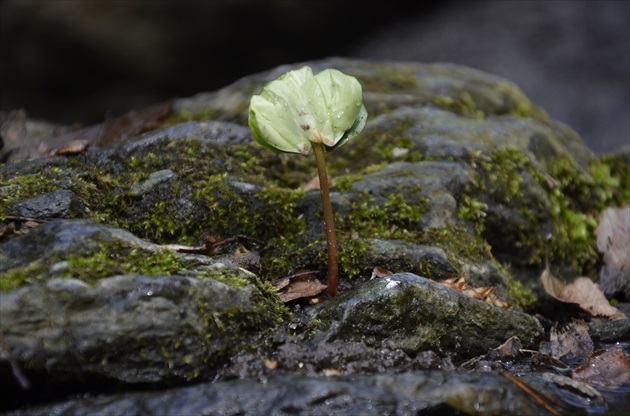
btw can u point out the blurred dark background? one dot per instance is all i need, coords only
(70, 61)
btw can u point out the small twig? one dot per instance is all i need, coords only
(24, 219)
(538, 396)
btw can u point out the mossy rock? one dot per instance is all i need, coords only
(451, 157)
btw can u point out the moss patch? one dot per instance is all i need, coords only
(110, 259)
(463, 105)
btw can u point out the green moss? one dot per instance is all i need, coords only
(374, 147)
(352, 259)
(519, 105)
(42, 181)
(14, 278)
(114, 259)
(474, 211)
(258, 214)
(463, 105)
(110, 259)
(242, 329)
(577, 197)
(388, 79)
(502, 172)
(225, 276)
(185, 116)
(393, 219)
(618, 169)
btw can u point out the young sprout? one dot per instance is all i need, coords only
(300, 111)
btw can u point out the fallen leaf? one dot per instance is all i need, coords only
(553, 285)
(570, 344)
(380, 272)
(331, 372)
(581, 292)
(510, 349)
(584, 389)
(589, 296)
(607, 369)
(130, 124)
(75, 147)
(270, 364)
(482, 293)
(548, 361)
(300, 285)
(311, 185)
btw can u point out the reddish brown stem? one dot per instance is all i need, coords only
(329, 222)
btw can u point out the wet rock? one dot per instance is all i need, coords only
(56, 239)
(130, 328)
(56, 204)
(439, 182)
(429, 392)
(417, 314)
(155, 179)
(334, 358)
(617, 330)
(456, 174)
(397, 256)
(78, 316)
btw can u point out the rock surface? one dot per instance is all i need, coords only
(154, 266)
(395, 394)
(417, 314)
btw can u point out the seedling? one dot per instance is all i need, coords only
(299, 111)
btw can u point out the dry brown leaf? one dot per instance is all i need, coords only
(331, 372)
(380, 272)
(270, 364)
(577, 386)
(299, 285)
(608, 369)
(129, 124)
(547, 360)
(75, 147)
(571, 344)
(482, 293)
(312, 184)
(589, 296)
(553, 286)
